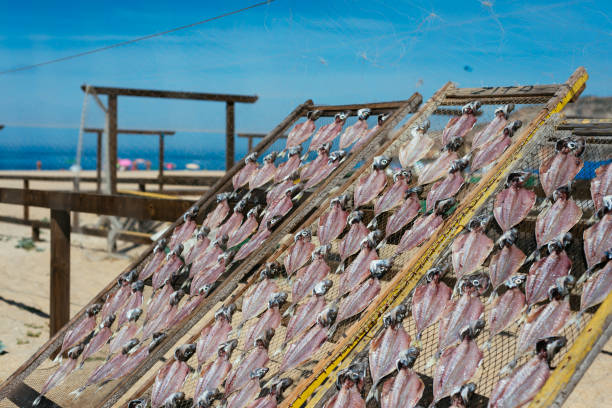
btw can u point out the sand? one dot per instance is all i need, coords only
(24, 293)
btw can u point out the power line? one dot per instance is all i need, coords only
(146, 37)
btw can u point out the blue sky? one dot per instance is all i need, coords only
(287, 52)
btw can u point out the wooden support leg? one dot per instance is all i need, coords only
(60, 270)
(35, 232)
(160, 176)
(26, 209)
(229, 135)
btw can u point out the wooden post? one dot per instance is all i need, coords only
(161, 162)
(60, 270)
(76, 224)
(250, 143)
(229, 135)
(112, 142)
(99, 163)
(26, 209)
(36, 231)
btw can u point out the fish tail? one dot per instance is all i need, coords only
(58, 358)
(382, 244)
(340, 268)
(37, 401)
(507, 369)
(373, 225)
(374, 394)
(77, 393)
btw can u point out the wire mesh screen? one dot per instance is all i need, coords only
(500, 350)
(277, 350)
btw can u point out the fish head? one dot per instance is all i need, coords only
(157, 339)
(459, 165)
(130, 345)
(508, 238)
(304, 234)
(313, 115)
(353, 374)
(321, 288)
(355, 217)
(254, 212)
(93, 309)
(433, 275)
(417, 191)
(336, 156)
(277, 299)
(504, 110)
(342, 116)
(516, 280)
(324, 149)
(76, 351)
(251, 158)
(511, 128)
(474, 284)
(402, 174)
(294, 151)
(371, 240)
(273, 222)
(108, 321)
(207, 398)
(407, 358)
(138, 286)
(381, 118)
(561, 193)
(395, 316)
(328, 316)
(454, 144)
(277, 386)
(222, 197)
(443, 206)
(363, 113)
(203, 232)
(462, 395)
(548, 347)
(176, 297)
(160, 246)
(320, 252)
(472, 330)
(259, 373)
(517, 178)
(558, 245)
(226, 349)
(423, 126)
(138, 403)
(134, 314)
(379, 267)
(188, 216)
(294, 190)
(270, 157)
(478, 223)
(174, 400)
(131, 276)
(241, 205)
(226, 312)
(341, 200)
(205, 290)
(184, 352)
(381, 162)
(226, 257)
(263, 340)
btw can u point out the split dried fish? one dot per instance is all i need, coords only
(302, 131)
(184, 231)
(328, 133)
(64, 370)
(356, 131)
(370, 185)
(172, 375)
(449, 186)
(469, 250)
(424, 227)
(417, 148)
(293, 163)
(460, 126)
(406, 388)
(264, 174)
(321, 173)
(214, 334)
(514, 202)
(491, 151)
(436, 169)
(545, 272)
(555, 221)
(245, 174)
(406, 212)
(270, 319)
(332, 223)
(494, 127)
(351, 243)
(598, 237)
(306, 278)
(601, 185)
(155, 262)
(429, 301)
(257, 358)
(561, 168)
(305, 315)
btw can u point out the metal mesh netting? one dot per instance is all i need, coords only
(95, 395)
(277, 349)
(502, 347)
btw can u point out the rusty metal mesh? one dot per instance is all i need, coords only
(502, 347)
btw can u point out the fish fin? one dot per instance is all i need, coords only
(37, 401)
(373, 225)
(77, 393)
(382, 244)
(507, 369)
(374, 394)
(340, 268)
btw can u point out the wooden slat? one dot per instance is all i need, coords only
(506, 91)
(152, 93)
(151, 132)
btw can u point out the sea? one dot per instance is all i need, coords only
(22, 147)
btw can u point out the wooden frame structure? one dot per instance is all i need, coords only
(398, 110)
(111, 116)
(61, 204)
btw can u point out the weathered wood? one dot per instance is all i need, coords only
(375, 107)
(168, 179)
(99, 162)
(117, 205)
(60, 270)
(161, 162)
(151, 93)
(229, 134)
(144, 132)
(111, 117)
(35, 231)
(26, 209)
(24, 395)
(507, 91)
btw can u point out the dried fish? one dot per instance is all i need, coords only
(356, 131)
(359, 269)
(214, 334)
(449, 186)
(281, 207)
(285, 169)
(417, 148)
(134, 302)
(310, 169)
(129, 359)
(99, 339)
(469, 250)
(507, 308)
(256, 297)
(172, 375)
(155, 262)
(424, 227)
(522, 385)
(332, 223)
(248, 227)
(264, 174)
(274, 394)
(598, 285)
(490, 152)
(460, 126)
(458, 363)
(234, 221)
(306, 314)
(210, 256)
(213, 375)
(210, 275)
(558, 219)
(406, 388)
(302, 131)
(215, 218)
(328, 133)
(380, 120)
(277, 191)
(354, 237)
(64, 370)
(115, 301)
(258, 357)
(370, 185)
(200, 246)
(306, 278)
(494, 127)
(406, 212)
(271, 319)
(436, 169)
(126, 332)
(245, 174)
(257, 239)
(158, 300)
(514, 202)
(163, 319)
(561, 168)
(429, 301)
(349, 384)
(299, 253)
(82, 329)
(601, 185)
(174, 262)
(598, 237)
(249, 391)
(545, 272)
(184, 231)
(507, 261)
(321, 173)
(395, 194)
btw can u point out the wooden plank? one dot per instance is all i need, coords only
(118, 205)
(161, 162)
(24, 395)
(168, 179)
(144, 132)
(60, 270)
(112, 142)
(99, 163)
(375, 107)
(26, 209)
(152, 93)
(229, 134)
(506, 91)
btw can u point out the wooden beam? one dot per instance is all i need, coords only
(375, 107)
(152, 132)
(161, 162)
(151, 93)
(177, 180)
(117, 205)
(506, 91)
(26, 209)
(111, 117)
(60, 270)
(229, 135)
(99, 163)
